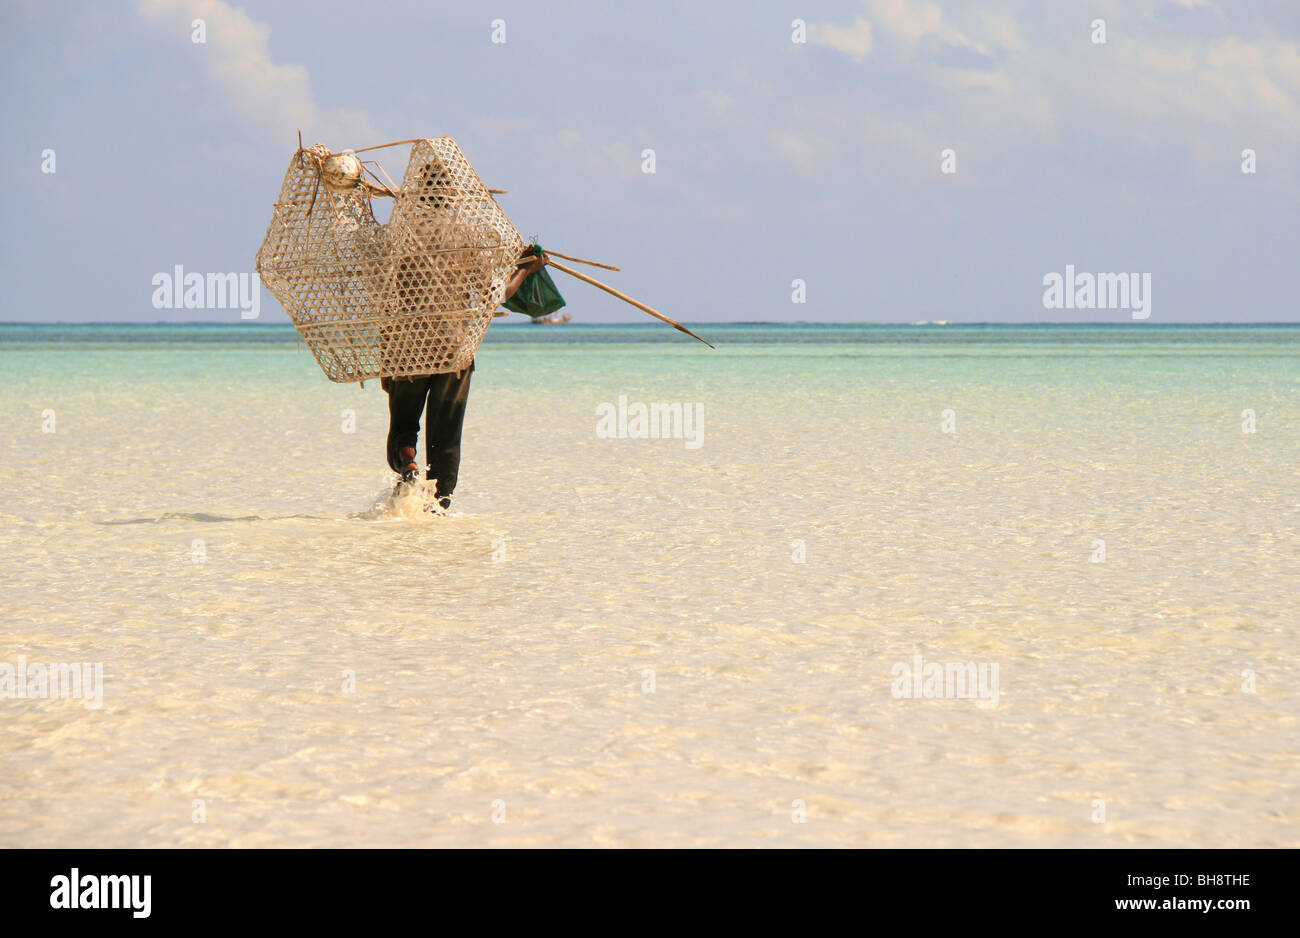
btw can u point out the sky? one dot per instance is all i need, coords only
(793, 143)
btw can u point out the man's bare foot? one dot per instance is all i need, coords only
(410, 471)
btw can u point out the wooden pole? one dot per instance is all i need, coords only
(627, 299)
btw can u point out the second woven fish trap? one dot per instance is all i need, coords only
(410, 297)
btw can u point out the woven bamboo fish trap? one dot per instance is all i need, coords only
(413, 296)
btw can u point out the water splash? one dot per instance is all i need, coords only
(410, 501)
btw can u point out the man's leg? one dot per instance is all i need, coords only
(405, 402)
(442, 425)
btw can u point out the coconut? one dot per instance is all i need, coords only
(341, 171)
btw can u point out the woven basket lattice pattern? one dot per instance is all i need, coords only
(410, 297)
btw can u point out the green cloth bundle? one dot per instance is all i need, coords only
(537, 295)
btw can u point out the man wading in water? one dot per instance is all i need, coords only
(442, 398)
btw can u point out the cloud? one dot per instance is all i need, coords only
(272, 97)
(911, 21)
(910, 25)
(854, 40)
(1009, 77)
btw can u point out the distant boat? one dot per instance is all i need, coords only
(553, 319)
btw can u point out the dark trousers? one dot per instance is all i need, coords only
(442, 398)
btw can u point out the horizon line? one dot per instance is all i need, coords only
(699, 322)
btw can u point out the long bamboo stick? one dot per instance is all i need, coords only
(627, 299)
(579, 260)
(525, 258)
(395, 143)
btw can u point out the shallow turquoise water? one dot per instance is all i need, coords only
(826, 529)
